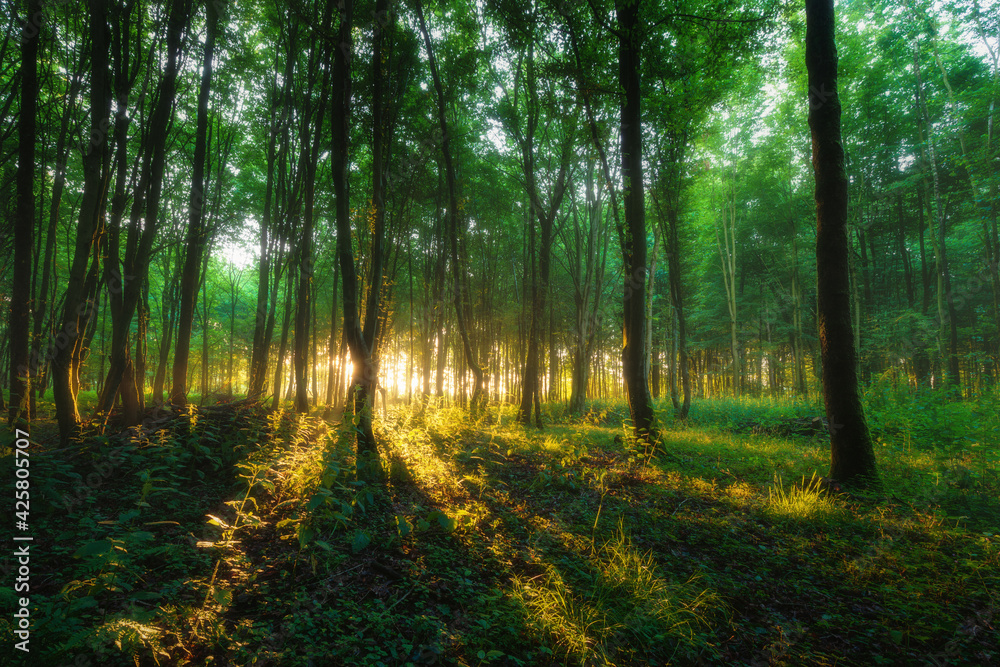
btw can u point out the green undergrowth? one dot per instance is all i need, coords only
(244, 538)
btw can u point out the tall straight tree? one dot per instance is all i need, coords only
(363, 375)
(311, 125)
(196, 232)
(634, 358)
(852, 455)
(20, 303)
(76, 308)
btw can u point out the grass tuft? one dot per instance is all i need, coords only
(807, 500)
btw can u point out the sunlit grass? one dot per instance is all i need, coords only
(623, 610)
(564, 546)
(806, 500)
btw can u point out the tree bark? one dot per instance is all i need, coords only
(634, 358)
(852, 454)
(76, 309)
(145, 211)
(369, 466)
(19, 326)
(196, 232)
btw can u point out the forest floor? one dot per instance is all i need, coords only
(234, 536)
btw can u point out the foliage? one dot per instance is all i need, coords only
(496, 544)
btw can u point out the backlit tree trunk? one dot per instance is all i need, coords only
(634, 358)
(196, 232)
(76, 308)
(19, 325)
(852, 455)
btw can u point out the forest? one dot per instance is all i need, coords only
(500, 332)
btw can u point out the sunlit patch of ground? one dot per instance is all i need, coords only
(498, 544)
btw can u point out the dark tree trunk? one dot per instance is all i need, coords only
(76, 309)
(304, 297)
(333, 343)
(19, 325)
(852, 455)
(363, 377)
(113, 278)
(681, 405)
(261, 331)
(196, 232)
(142, 327)
(42, 304)
(634, 357)
(168, 316)
(145, 212)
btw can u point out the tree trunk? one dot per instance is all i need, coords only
(852, 455)
(331, 376)
(634, 359)
(77, 310)
(145, 212)
(196, 232)
(369, 466)
(279, 369)
(19, 325)
(453, 217)
(42, 303)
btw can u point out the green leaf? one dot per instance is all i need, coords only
(360, 541)
(306, 535)
(449, 524)
(223, 596)
(317, 500)
(93, 549)
(403, 526)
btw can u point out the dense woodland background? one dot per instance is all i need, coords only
(201, 253)
(230, 223)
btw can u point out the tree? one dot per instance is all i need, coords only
(454, 217)
(195, 241)
(77, 308)
(363, 374)
(634, 357)
(24, 226)
(852, 454)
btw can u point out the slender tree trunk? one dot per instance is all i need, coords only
(168, 316)
(279, 370)
(634, 359)
(853, 457)
(205, 328)
(77, 310)
(331, 376)
(19, 325)
(42, 305)
(196, 231)
(453, 217)
(139, 369)
(145, 211)
(363, 377)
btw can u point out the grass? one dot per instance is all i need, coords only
(496, 544)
